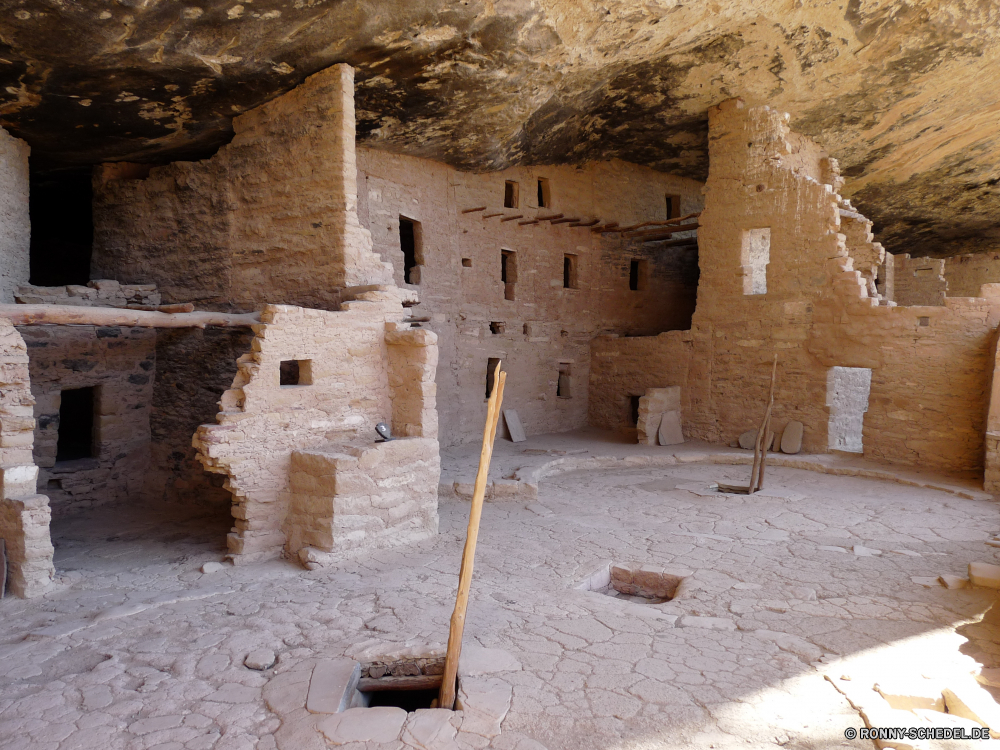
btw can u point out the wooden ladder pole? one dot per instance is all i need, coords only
(446, 696)
(757, 473)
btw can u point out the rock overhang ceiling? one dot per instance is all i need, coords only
(905, 95)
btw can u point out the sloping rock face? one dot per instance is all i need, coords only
(904, 94)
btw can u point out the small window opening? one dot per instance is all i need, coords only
(491, 365)
(409, 243)
(633, 410)
(569, 272)
(508, 273)
(497, 327)
(76, 425)
(510, 194)
(924, 321)
(637, 271)
(528, 329)
(755, 255)
(544, 199)
(673, 206)
(565, 386)
(295, 372)
(466, 262)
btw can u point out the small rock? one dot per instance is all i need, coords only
(861, 551)
(954, 582)
(791, 438)
(261, 659)
(212, 567)
(748, 440)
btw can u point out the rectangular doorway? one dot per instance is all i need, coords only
(76, 424)
(847, 392)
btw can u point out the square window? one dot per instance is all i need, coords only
(295, 372)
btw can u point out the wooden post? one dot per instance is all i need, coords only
(760, 446)
(446, 697)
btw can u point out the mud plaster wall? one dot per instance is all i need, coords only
(120, 363)
(966, 274)
(350, 389)
(271, 218)
(545, 327)
(15, 226)
(930, 365)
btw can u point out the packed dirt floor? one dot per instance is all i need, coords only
(827, 576)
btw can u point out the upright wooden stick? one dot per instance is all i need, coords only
(760, 446)
(446, 698)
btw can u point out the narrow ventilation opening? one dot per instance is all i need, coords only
(637, 272)
(510, 194)
(76, 425)
(508, 273)
(491, 366)
(633, 410)
(569, 271)
(544, 199)
(673, 206)
(497, 327)
(62, 228)
(466, 262)
(295, 372)
(409, 236)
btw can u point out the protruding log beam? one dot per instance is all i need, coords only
(692, 241)
(490, 216)
(473, 210)
(606, 227)
(550, 218)
(587, 223)
(565, 221)
(665, 223)
(511, 218)
(73, 315)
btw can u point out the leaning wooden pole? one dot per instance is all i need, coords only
(446, 697)
(757, 472)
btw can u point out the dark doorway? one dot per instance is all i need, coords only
(408, 244)
(62, 227)
(76, 425)
(633, 410)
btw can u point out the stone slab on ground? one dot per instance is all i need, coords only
(332, 685)
(791, 437)
(670, 432)
(378, 724)
(514, 426)
(985, 575)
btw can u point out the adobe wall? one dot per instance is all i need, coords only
(921, 281)
(354, 382)
(120, 363)
(931, 366)
(967, 273)
(271, 218)
(15, 226)
(546, 326)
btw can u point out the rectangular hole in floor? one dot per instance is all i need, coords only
(635, 582)
(409, 684)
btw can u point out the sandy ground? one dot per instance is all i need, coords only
(135, 648)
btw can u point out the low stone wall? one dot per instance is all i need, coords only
(921, 281)
(98, 293)
(348, 498)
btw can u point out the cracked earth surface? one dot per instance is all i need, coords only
(135, 648)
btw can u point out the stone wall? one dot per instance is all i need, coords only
(931, 366)
(546, 328)
(350, 498)
(24, 514)
(967, 273)
(347, 384)
(120, 364)
(15, 225)
(271, 218)
(97, 293)
(921, 281)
